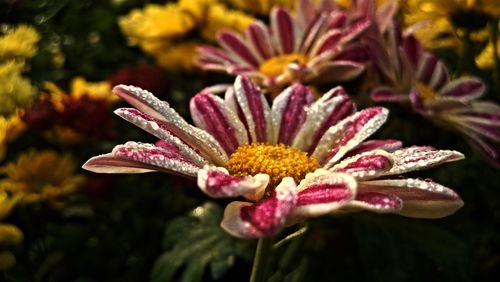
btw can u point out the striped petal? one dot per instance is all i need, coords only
(386, 94)
(417, 158)
(133, 157)
(238, 48)
(421, 198)
(198, 139)
(323, 192)
(388, 145)
(367, 165)
(259, 38)
(432, 72)
(264, 218)
(375, 202)
(347, 134)
(466, 89)
(335, 71)
(254, 108)
(210, 113)
(216, 182)
(332, 107)
(283, 30)
(288, 112)
(160, 131)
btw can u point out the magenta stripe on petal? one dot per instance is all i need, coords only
(323, 193)
(254, 103)
(214, 120)
(235, 44)
(336, 20)
(380, 201)
(428, 68)
(260, 39)
(464, 88)
(388, 145)
(294, 113)
(413, 50)
(368, 162)
(341, 111)
(283, 28)
(352, 128)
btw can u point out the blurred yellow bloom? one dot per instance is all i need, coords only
(485, 59)
(7, 260)
(15, 90)
(19, 42)
(262, 7)
(163, 31)
(96, 90)
(10, 234)
(40, 176)
(179, 57)
(7, 203)
(443, 22)
(348, 3)
(10, 129)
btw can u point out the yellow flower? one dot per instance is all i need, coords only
(348, 3)
(10, 234)
(164, 30)
(485, 59)
(40, 176)
(19, 42)
(443, 22)
(7, 203)
(178, 57)
(219, 18)
(262, 7)
(10, 129)
(96, 90)
(15, 90)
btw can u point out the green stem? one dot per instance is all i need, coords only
(260, 261)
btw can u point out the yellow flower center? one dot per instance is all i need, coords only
(276, 65)
(278, 161)
(426, 92)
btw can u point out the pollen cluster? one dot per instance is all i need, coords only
(426, 92)
(278, 161)
(276, 65)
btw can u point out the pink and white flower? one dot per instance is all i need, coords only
(293, 159)
(411, 75)
(314, 46)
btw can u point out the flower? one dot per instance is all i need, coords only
(294, 159)
(94, 90)
(442, 23)
(9, 234)
(10, 129)
(40, 176)
(166, 31)
(19, 43)
(313, 47)
(485, 60)
(15, 90)
(420, 78)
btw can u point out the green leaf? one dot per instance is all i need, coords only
(194, 242)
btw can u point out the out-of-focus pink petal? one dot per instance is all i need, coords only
(259, 37)
(283, 30)
(335, 71)
(464, 88)
(237, 46)
(387, 94)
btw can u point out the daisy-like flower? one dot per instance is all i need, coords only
(410, 74)
(40, 176)
(314, 46)
(291, 160)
